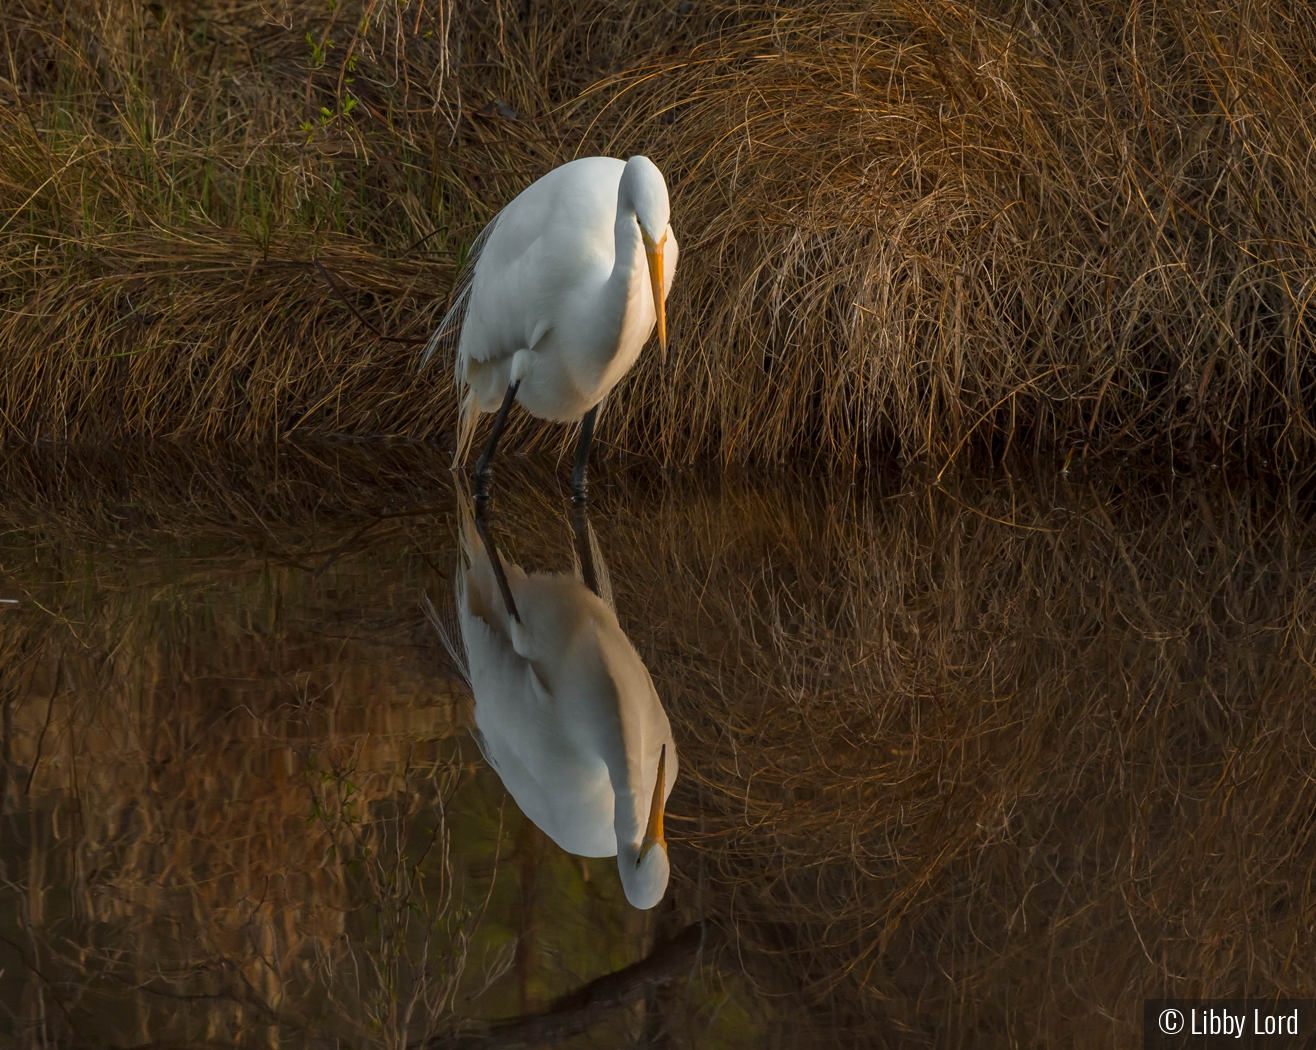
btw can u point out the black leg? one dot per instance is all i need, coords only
(579, 485)
(584, 550)
(496, 562)
(491, 446)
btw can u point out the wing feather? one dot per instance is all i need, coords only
(444, 336)
(601, 576)
(449, 633)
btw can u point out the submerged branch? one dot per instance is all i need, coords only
(586, 1006)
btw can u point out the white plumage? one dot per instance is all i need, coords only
(561, 292)
(566, 711)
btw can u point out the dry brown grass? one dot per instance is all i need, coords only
(907, 226)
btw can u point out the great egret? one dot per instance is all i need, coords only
(566, 711)
(560, 293)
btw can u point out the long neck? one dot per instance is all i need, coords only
(608, 310)
(630, 801)
(645, 881)
(627, 253)
(628, 822)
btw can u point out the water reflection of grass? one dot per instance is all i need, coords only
(975, 765)
(214, 807)
(1077, 758)
(238, 800)
(988, 760)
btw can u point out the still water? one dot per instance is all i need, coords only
(976, 763)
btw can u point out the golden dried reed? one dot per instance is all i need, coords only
(908, 226)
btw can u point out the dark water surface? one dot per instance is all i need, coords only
(982, 763)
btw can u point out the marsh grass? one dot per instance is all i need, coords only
(927, 229)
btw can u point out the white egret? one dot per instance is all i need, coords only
(560, 293)
(566, 711)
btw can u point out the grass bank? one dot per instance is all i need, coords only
(921, 228)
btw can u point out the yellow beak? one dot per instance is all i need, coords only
(653, 834)
(654, 253)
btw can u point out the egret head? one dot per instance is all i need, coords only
(647, 191)
(644, 870)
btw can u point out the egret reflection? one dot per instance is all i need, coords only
(565, 709)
